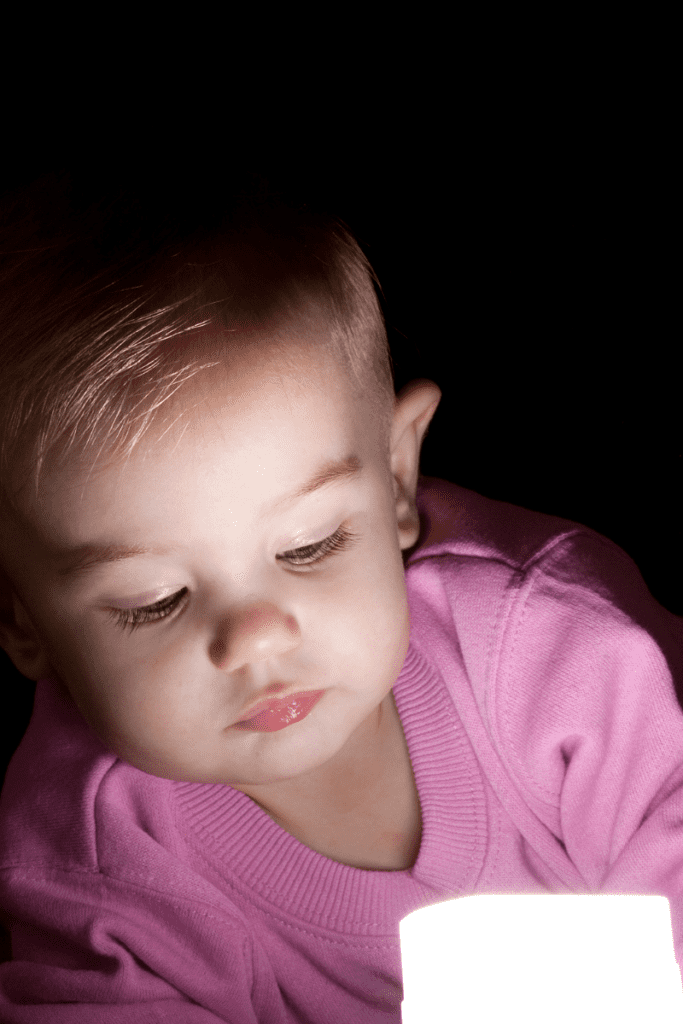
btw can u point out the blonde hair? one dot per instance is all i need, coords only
(98, 299)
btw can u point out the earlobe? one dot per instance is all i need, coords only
(415, 406)
(19, 640)
(407, 521)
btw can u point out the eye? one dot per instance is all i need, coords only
(311, 554)
(315, 553)
(131, 618)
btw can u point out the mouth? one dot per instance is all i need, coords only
(275, 714)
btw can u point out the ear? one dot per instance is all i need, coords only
(415, 406)
(19, 637)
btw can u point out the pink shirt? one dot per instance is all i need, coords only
(538, 704)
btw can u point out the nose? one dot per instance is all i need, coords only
(254, 634)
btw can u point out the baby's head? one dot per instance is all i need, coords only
(207, 482)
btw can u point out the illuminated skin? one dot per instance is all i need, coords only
(165, 696)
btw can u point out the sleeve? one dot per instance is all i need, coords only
(91, 949)
(583, 710)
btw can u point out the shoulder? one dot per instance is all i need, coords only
(554, 626)
(475, 556)
(467, 535)
(68, 802)
(522, 594)
(460, 521)
(86, 837)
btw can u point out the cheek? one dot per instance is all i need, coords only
(122, 692)
(151, 720)
(393, 635)
(374, 606)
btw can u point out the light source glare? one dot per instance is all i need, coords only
(483, 959)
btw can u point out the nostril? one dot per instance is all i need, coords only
(253, 635)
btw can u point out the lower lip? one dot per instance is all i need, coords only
(278, 714)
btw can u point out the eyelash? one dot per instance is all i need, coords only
(312, 554)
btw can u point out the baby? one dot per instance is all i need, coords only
(288, 689)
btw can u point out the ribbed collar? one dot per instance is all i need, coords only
(256, 856)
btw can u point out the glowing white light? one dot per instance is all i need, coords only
(533, 959)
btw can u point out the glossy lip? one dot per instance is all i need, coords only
(277, 713)
(263, 703)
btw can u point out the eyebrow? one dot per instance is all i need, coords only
(342, 469)
(81, 560)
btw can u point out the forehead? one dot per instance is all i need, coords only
(268, 417)
(296, 385)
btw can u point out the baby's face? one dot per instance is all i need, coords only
(259, 593)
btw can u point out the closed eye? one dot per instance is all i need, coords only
(131, 618)
(313, 553)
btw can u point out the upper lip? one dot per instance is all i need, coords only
(262, 703)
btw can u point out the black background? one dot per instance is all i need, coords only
(523, 240)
